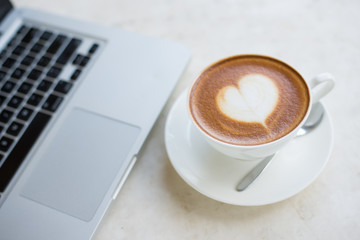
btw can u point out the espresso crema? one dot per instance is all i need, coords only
(248, 100)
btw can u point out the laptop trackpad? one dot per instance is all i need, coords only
(78, 167)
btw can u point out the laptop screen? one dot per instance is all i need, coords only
(5, 7)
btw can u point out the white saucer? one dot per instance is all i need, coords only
(215, 175)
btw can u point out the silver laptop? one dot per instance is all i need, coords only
(77, 102)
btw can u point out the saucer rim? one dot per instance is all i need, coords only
(176, 107)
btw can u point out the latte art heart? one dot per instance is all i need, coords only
(248, 100)
(252, 100)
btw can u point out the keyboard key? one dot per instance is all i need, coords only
(44, 61)
(34, 99)
(8, 87)
(25, 88)
(46, 35)
(25, 114)
(78, 59)
(30, 35)
(76, 74)
(15, 128)
(18, 50)
(9, 62)
(12, 42)
(68, 51)
(63, 86)
(36, 48)
(34, 74)
(54, 47)
(27, 60)
(44, 85)
(22, 148)
(93, 48)
(5, 143)
(18, 73)
(5, 116)
(2, 75)
(15, 102)
(2, 100)
(53, 72)
(84, 61)
(52, 103)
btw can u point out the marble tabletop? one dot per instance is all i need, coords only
(313, 36)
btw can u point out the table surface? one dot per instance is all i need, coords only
(311, 35)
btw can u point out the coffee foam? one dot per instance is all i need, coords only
(248, 100)
(252, 100)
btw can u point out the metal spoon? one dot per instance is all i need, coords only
(314, 119)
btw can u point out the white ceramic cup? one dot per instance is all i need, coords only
(318, 87)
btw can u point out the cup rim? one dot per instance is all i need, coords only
(207, 135)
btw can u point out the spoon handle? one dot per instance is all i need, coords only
(253, 174)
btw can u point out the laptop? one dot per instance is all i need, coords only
(77, 103)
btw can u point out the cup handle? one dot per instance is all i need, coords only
(321, 85)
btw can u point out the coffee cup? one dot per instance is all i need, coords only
(249, 106)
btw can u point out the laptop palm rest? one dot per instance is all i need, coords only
(82, 160)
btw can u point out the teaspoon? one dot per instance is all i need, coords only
(314, 119)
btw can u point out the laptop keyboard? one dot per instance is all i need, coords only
(32, 88)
